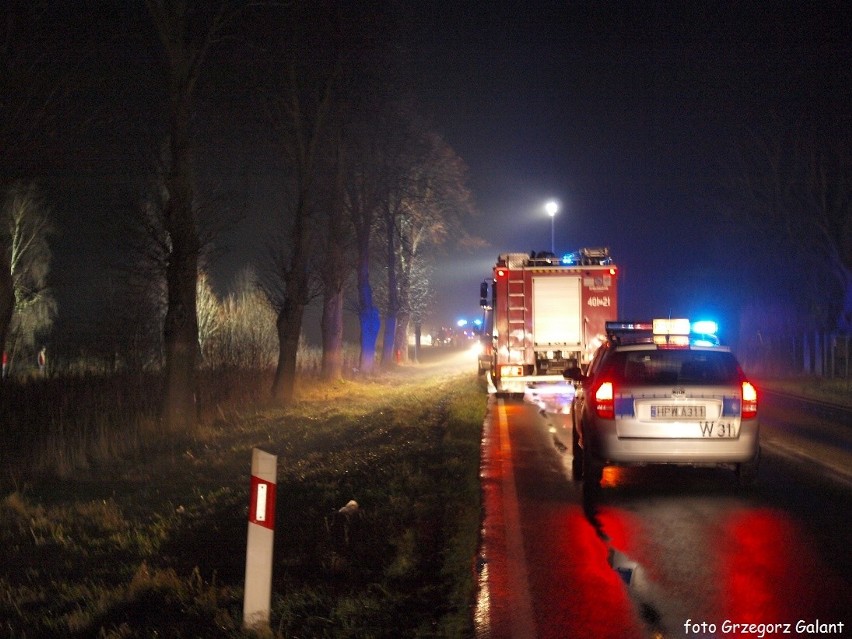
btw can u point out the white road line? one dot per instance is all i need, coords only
(523, 620)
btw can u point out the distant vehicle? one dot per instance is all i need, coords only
(544, 313)
(442, 337)
(454, 337)
(661, 393)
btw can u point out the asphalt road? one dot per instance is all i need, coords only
(664, 552)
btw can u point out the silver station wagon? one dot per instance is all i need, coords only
(663, 392)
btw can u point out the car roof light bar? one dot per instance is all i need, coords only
(667, 332)
(613, 327)
(671, 327)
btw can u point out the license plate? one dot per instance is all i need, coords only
(673, 411)
(718, 430)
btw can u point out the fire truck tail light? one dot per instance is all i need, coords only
(749, 409)
(511, 371)
(605, 401)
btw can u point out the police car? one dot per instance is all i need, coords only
(663, 392)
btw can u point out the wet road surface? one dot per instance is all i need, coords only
(657, 552)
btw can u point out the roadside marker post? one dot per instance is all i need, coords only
(261, 532)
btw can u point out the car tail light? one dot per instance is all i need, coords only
(605, 401)
(749, 409)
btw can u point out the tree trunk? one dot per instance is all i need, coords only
(292, 311)
(370, 324)
(332, 335)
(389, 357)
(289, 327)
(404, 315)
(418, 333)
(401, 338)
(368, 315)
(185, 47)
(180, 330)
(7, 299)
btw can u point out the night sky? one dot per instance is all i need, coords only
(622, 111)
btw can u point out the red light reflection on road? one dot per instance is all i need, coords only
(574, 591)
(771, 574)
(592, 599)
(747, 565)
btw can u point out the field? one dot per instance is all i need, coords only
(152, 544)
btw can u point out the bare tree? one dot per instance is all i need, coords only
(301, 105)
(794, 183)
(421, 294)
(33, 87)
(186, 30)
(24, 245)
(379, 147)
(334, 269)
(362, 206)
(429, 205)
(400, 156)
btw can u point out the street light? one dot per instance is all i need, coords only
(551, 208)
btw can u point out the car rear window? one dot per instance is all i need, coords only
(675, 367)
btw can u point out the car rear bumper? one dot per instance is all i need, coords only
(607, 446)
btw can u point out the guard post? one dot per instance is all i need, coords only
(261, 531)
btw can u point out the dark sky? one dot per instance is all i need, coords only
(624, 112)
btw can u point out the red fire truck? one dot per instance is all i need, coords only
(543, 312)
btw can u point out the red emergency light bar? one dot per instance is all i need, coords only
(614, 327)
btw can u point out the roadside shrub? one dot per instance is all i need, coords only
(70, 421)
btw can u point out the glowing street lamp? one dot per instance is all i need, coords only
(551, 208)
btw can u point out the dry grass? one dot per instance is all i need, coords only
(152, 543)
(832, 390)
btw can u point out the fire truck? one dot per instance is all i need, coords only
(543, 313)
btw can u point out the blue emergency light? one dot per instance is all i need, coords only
(705, 327)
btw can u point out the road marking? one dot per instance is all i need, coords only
(523, 620)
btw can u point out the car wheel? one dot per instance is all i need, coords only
(592, 468)
(747, 471)
(577, 459)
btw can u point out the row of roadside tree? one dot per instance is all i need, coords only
(366, 188)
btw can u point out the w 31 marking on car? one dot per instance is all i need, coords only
(718, 429)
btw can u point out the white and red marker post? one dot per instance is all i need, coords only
(261, 533)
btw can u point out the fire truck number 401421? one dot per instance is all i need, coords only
(543, 313)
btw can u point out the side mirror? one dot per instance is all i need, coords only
(574, 373)
(483, 294)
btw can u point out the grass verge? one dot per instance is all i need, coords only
(824, 389)
(157, 548)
